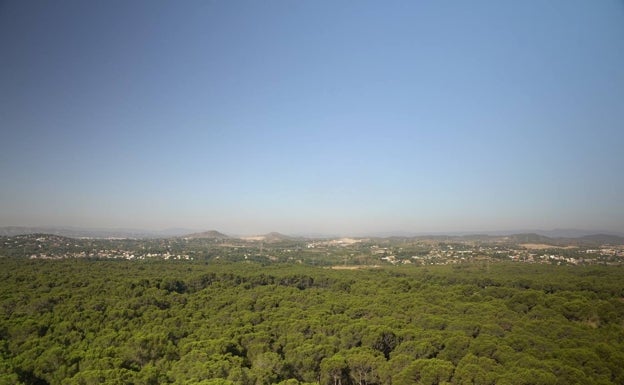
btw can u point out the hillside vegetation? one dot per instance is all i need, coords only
(179, 322)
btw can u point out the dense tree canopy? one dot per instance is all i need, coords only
(182, 322)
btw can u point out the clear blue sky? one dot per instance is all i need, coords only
(342, 117)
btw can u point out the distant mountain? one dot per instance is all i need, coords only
(555, 233)
(557, 237)
(529, 238)
(74, 232)
(91, 233)
(573, 233)
(276, 237)
(11, 231)
(272, 237)
(174, 232)
(586, 240)
(604, 239)
(212, 234)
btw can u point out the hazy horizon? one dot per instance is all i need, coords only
(177, 231)
(313, 117)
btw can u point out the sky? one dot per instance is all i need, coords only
(312, 117)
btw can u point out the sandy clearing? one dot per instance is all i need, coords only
(541, 246)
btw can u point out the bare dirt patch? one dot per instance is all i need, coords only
(541, 246)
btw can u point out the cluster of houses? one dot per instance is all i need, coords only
(113, 254)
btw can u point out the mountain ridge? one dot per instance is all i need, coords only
(210, 234)
(537, 236)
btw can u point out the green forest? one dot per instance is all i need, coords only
(87, 321)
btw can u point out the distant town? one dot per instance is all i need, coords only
(337, 253)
